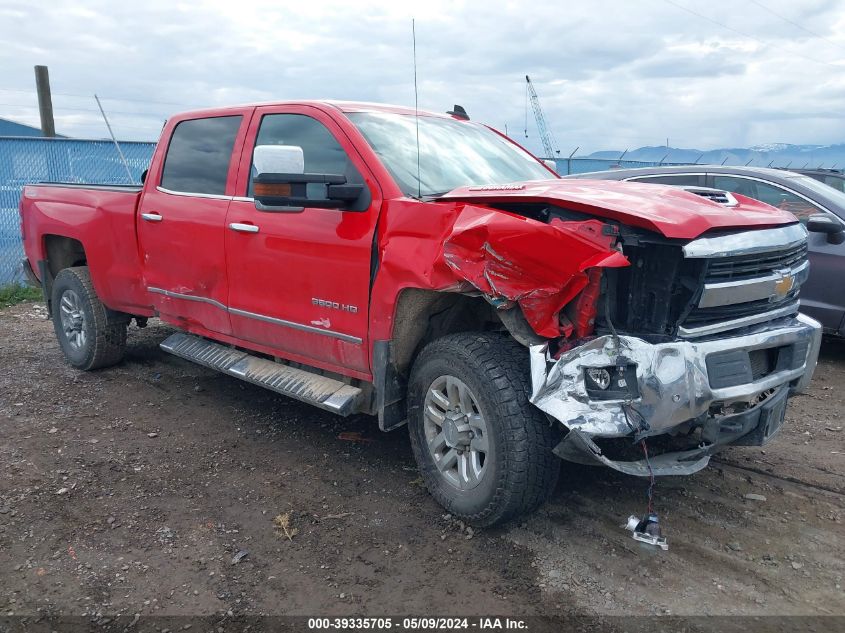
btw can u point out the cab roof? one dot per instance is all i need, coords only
(342, 106)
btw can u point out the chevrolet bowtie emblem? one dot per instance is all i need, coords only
(784, 285)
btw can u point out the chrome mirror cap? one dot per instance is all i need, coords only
(278, 159)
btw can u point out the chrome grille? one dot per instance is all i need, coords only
(749, 278)
(716, 283)
(721, 269)
(706, 316)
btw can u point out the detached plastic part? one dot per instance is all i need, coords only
(647, 530)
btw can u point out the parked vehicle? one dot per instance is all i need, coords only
(819, 207)
(832, 177)
(318, 250)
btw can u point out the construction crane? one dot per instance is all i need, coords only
(549, 142)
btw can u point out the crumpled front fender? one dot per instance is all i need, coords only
(508, 258)
(539, 266)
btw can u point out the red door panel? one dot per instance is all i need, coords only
(184, 258)
(300, 284)
(182, 216)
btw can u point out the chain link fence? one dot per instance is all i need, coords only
(567, 166)
(29, 160)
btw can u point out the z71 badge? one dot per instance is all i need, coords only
(334, 305)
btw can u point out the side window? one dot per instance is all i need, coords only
(199, 154)
(683, 180)
(836, 182)
(742, 186)
(768, 193)
(321, 150)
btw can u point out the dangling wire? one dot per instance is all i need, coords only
(651, 478)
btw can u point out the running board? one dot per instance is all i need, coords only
(321, 391)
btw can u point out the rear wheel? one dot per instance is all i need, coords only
(90, 335)
(485, 453)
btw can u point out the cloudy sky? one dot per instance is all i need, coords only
(610, 74)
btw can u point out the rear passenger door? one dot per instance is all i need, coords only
(181, 221)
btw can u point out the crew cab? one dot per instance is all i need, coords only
(424, 268)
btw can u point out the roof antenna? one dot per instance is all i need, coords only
(114, 140)
(416, 106)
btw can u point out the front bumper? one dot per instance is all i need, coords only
(716, 392)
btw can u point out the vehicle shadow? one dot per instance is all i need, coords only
(833, 349)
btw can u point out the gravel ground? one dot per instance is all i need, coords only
(159, 487)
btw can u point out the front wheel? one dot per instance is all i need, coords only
(485, 453)
(90, 335)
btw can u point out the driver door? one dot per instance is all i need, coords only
(299, 281)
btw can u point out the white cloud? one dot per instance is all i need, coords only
(609, 74)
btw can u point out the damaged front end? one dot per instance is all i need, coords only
(694, 395)
(706, 362)
(653, 343)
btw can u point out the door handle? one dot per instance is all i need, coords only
(152, 217)
(243, 228)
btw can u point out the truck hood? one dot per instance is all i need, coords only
(671, 211)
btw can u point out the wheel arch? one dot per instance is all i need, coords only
(63, 252)
(60, 252)
(421, 316)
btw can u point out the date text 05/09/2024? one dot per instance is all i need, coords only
(417, 624)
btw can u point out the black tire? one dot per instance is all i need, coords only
(97, 337)
(520, 468)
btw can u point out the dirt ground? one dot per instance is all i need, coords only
(152, 488)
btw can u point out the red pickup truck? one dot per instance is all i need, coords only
(423, 268)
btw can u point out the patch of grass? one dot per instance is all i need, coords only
(10, 294)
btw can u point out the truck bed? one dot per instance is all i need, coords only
(102, 217)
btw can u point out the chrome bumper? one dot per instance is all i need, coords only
(680, 385)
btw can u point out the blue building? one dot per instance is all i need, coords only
(13, 128)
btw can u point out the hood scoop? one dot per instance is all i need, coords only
(716, 195)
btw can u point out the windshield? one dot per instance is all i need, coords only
(452, 153)
(830, 197)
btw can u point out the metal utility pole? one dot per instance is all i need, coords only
(549, 142)
(45, 101)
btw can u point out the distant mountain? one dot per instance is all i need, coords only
(776, 154)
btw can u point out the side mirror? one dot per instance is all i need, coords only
(832, 227)
(281, 184)
(551, 164)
